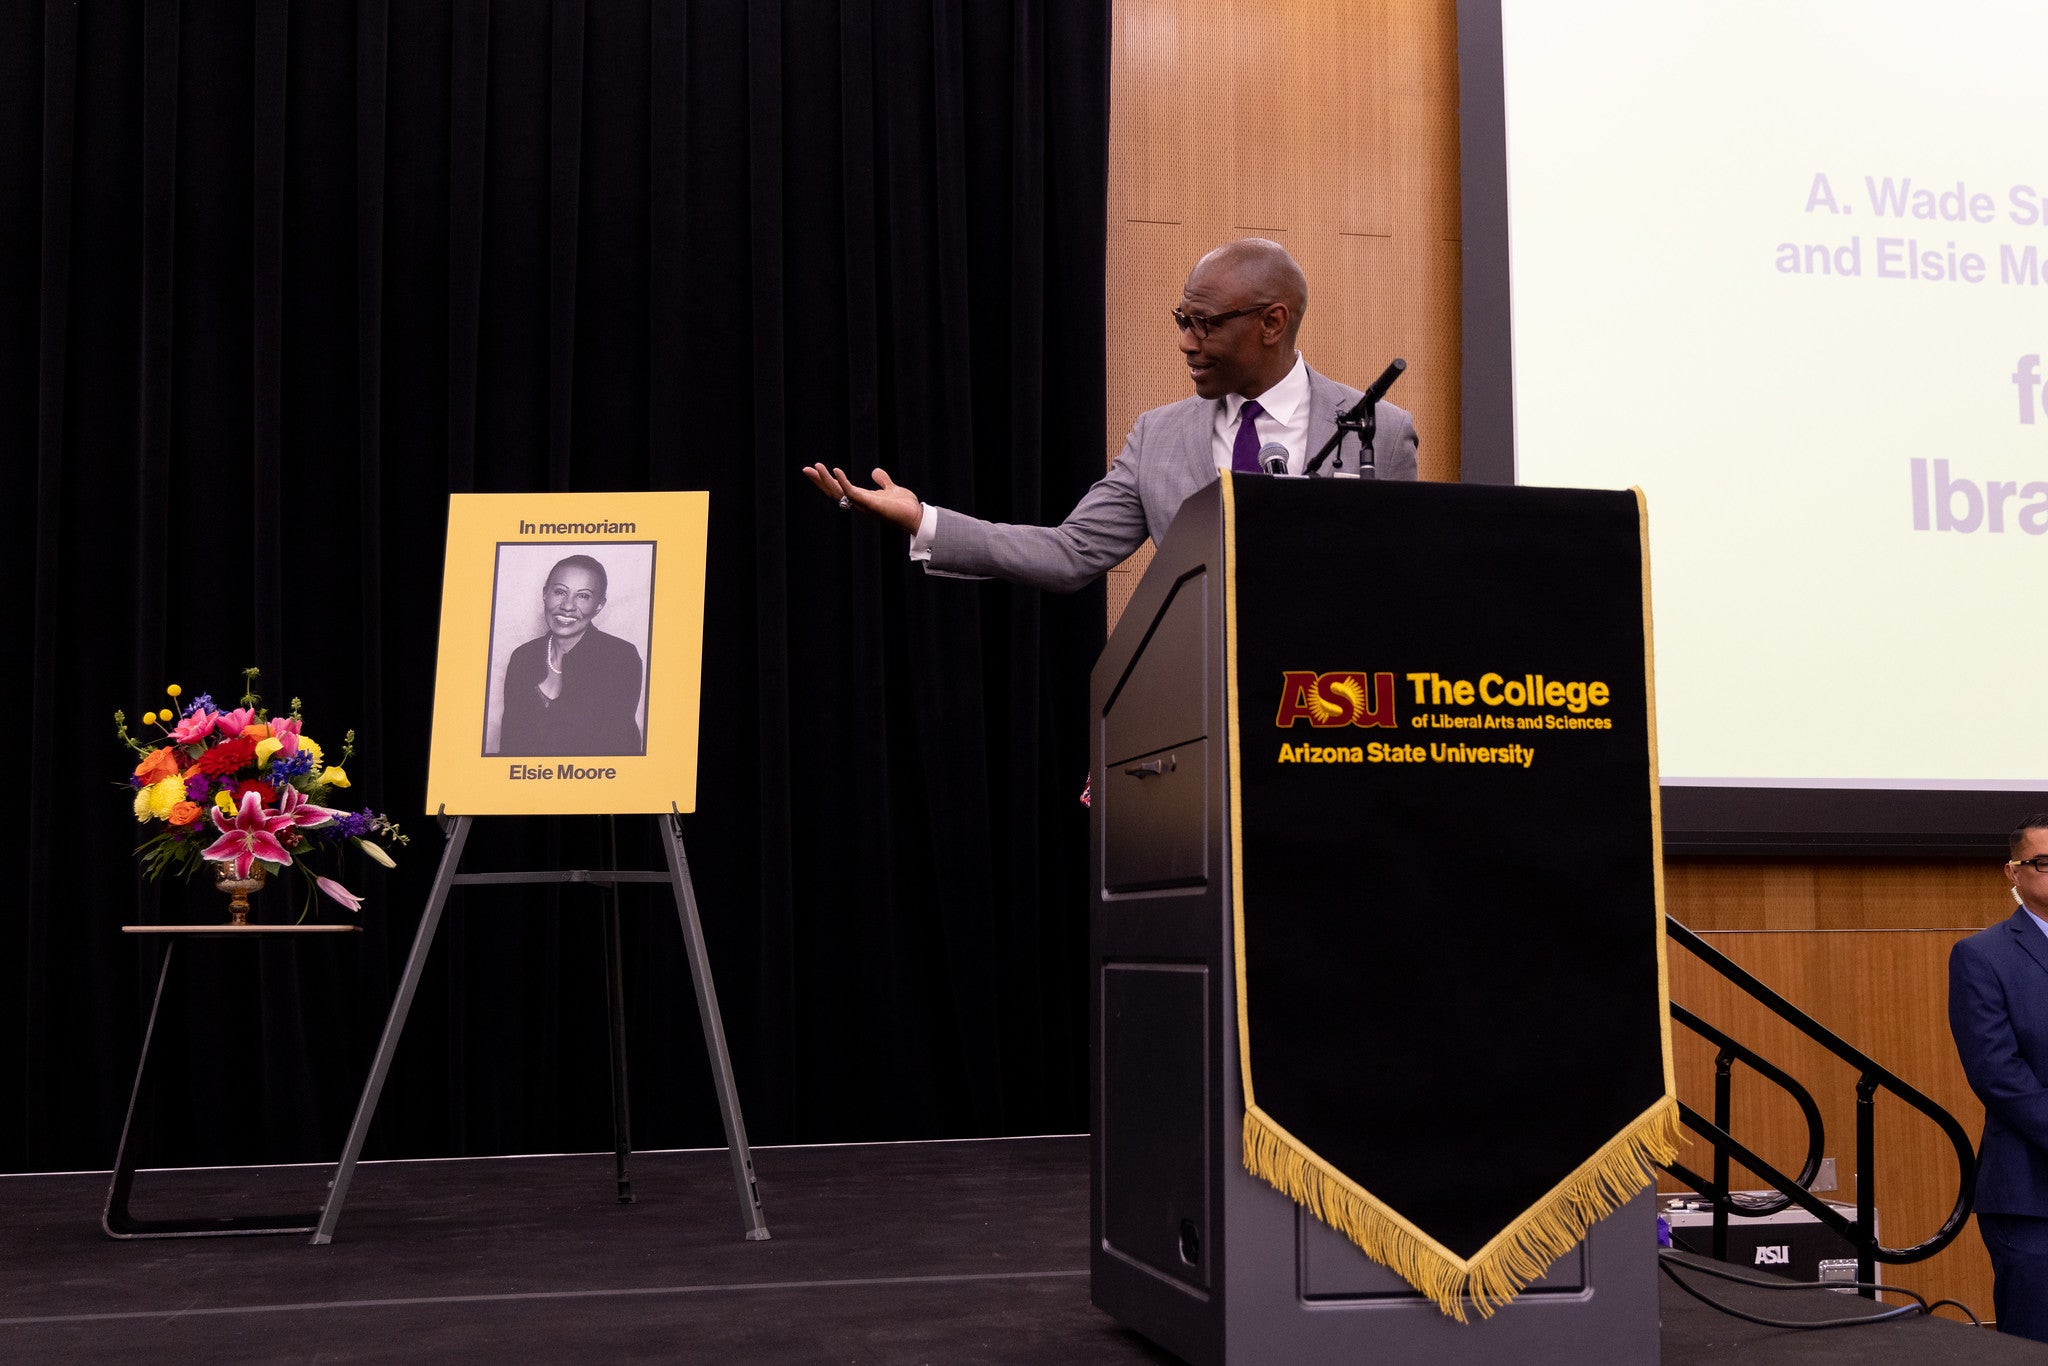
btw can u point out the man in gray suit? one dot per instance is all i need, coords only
(1238, 318)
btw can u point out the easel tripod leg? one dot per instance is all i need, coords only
(394, 1025)
(615, 1004)
(714, 1032)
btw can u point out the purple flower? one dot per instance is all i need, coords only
(352, 824)
(196, 787)
(287, 766)
(204, 700)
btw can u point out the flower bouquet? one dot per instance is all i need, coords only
(247, 793)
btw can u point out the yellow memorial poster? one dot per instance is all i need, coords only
(572, 645)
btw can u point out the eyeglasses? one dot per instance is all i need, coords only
(1201, 325)
(2039, 863)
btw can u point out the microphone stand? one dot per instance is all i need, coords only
(1363, 418)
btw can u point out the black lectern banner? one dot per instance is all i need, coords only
(1452, 1000)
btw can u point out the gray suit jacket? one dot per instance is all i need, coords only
(1167, 456)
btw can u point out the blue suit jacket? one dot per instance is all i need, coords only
(1998, 1012)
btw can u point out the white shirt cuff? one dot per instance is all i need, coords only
(921, 546)
(927, 531)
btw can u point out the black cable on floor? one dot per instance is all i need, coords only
(1666, 1261)
(1960, 1305)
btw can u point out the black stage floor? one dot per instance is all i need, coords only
(891, 1253)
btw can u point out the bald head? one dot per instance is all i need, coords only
(1248, 297)
(1260, 270)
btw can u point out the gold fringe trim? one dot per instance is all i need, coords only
(1517, 1255)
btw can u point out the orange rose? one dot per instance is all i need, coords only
(184, 813)
(158, 765)
(257, 730)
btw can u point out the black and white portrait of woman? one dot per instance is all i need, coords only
(568, 650)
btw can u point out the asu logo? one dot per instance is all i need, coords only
(1335, 699)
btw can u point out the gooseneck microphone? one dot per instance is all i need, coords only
(1361, 418)
(1379, 387)
(1273, 458)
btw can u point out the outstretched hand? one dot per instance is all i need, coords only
(888, 500)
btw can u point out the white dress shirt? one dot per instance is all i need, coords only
(1284, 420)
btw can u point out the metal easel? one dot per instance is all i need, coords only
(678, 876)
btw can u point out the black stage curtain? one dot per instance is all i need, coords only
(276, 279)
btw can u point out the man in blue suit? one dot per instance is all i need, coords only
(1998, 1012)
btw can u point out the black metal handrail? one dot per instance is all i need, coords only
(1732, 1052)
(1872, 1077)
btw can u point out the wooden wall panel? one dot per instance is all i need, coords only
(1145, 137)
(1366, 271)
(1835, 894)
(1361, 171)
(1258, 181)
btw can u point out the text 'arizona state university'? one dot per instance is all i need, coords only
(1327, 700)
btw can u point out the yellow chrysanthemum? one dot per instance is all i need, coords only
(142, 812)
(334, 777)
(164, 795)
(309, 746)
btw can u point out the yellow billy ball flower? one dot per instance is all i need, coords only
(149, 718)
(175, 691)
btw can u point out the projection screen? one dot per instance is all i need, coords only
(1785, 267)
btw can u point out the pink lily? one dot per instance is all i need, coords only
(197, 726)
(232, 723)
(301, 814)
(338, 893)
(250, 836)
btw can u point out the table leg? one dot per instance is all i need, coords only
(116, 1219)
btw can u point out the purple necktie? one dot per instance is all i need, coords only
(1244, 452)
